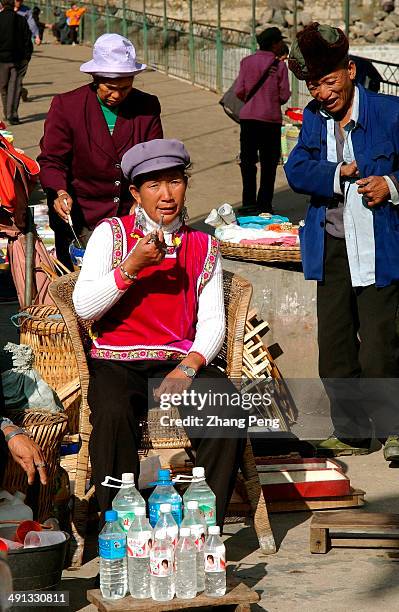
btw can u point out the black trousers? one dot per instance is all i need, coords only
(118, 398)
(263, 140)
(11, 77)
(358, 349)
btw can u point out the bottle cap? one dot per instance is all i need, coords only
(192, 505)
(214, 530)
(199, 472)
(164, 474)
(139, 511)
(184, 532)
(160, 534)
(111, 515)
(128, 477)
(165, 507)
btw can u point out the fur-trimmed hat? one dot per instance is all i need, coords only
(317, 51)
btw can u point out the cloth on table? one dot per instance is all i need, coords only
(281, 239)
(257, 221)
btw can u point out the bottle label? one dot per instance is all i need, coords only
(155, 511)
(125, 519)
(173, 533)
(214, 562)
(198, 532)
(112, 549)
(162, 565)
(140, 545)
(209, 513)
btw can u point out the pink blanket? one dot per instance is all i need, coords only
(280, 241)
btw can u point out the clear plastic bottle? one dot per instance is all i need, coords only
(186, 565)
(194, 519)
(167, 522)
(203, 494)
(112, 550)
(139, 544)
(164, 493)
(126, 501)
(162, 568)
(215, 564)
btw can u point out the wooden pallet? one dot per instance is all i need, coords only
(354, 500)
(238, 597)
(353, 528)
(259, 368)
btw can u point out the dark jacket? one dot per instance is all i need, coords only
(15, 37)
(79, 155)
(376, 147)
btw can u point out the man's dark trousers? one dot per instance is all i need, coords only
(11, 77)
(358, 341)
(258, 138)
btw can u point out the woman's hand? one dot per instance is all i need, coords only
(28, 455)
(174, 383)
(63, 205)
(148, 252)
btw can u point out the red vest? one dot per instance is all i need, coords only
(156, 317)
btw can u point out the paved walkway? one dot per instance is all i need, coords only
(291, 580)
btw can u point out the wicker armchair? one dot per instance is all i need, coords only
(237, 292)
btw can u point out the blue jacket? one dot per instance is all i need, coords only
(376, 147)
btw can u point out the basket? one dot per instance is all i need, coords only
(47, 430)
(43, 328)
(260, 252)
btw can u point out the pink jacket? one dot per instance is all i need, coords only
(265, 105)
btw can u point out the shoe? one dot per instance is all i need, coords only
(14, 120)
(391, 448)
(333, 447)
(24, 94)
(246, 211)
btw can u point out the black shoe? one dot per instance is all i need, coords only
(246, 211)
(14, 121)
(24, 94)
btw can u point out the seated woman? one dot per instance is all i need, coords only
(154, 288)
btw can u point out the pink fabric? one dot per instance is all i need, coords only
(121, 283)
(265, 105)
(283, 240)
(140, 319)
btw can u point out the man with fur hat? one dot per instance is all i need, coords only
(347, 159)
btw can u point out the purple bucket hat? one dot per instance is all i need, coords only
(113, 56)
(158, 154)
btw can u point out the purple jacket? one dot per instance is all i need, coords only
(265, 105)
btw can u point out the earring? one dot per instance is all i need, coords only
(139, 221)
(184, 215)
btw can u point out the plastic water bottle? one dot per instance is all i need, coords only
(194, 520)
(186, 565)
(162, 568)
(215, 564)
(164, 493)
(139, 544)
(167, 522)
(126, 501)
(113, 566)
(203, 494)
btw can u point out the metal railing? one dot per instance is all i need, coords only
(204, 54)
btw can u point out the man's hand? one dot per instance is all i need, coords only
(349, 170)
(375, 189)
(174, 383)
(63, 205)
(28, 455)
(38, 40)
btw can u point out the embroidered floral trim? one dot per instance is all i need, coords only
(135, 354)
(209, 264)
(117, 250)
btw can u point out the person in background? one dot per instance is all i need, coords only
(261, 120)
(15, 52)
(366, 74)
(283, 53)
(26, 12)
(95, 123)
(347, 160)
(74, 15)
(41, 26)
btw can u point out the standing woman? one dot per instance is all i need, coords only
(156, 296)
(86, 133)
(261, 120)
